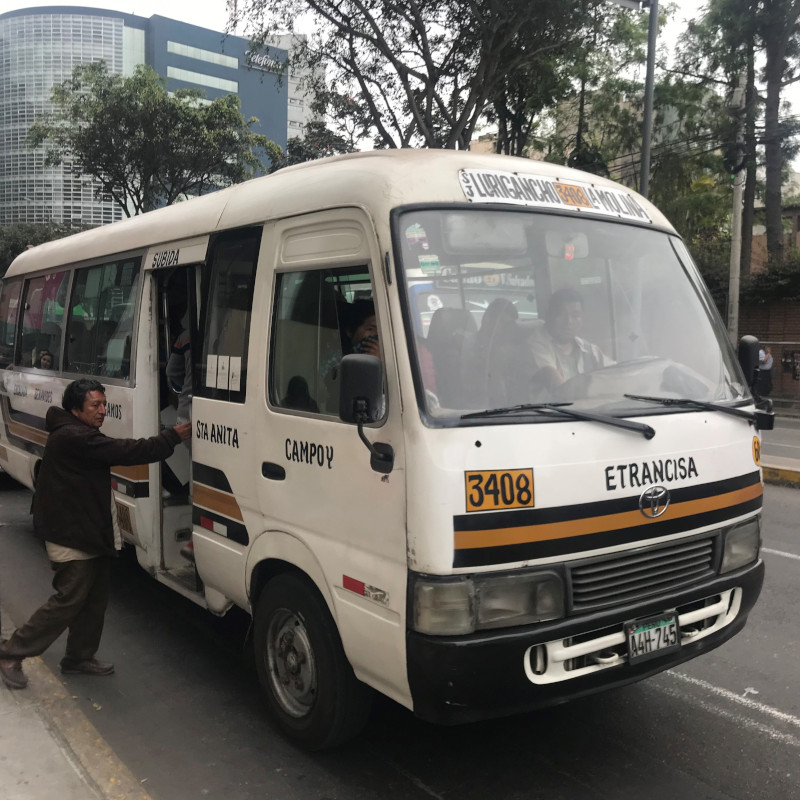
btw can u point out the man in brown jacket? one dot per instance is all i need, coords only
(73, 512)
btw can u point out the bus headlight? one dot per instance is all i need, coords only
(451, 607)
(519, 600)
(741, 545)
(444, 608)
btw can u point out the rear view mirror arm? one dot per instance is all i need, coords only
(382, 454)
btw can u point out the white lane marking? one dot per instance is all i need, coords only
(744, 701)
(780, 553)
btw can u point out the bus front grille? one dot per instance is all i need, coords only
(639, 574)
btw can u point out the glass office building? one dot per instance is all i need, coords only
(39, 47)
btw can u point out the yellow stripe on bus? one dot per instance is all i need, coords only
(498, 537)
(138, 472)
(27, 432)
(214, 500)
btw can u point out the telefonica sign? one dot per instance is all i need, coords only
(264, 62)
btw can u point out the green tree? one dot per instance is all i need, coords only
(316, 142)
(777, 25)
(724, 43)
(424, 70)
(688, 180)
(19, 236)
(143, 146)
(718, 50)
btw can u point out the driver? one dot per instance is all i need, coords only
(558, 352)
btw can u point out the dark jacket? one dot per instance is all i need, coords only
(72, 503)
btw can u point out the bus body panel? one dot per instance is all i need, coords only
(571, 468)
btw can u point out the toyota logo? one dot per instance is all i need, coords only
(653, 502)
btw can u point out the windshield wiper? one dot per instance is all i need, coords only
(687, 403)
(558, 408)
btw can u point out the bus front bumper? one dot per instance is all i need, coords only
(495, 673)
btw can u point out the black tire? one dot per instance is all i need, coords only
(309, 684)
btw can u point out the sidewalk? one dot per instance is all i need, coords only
(781, 471)
(49, 749)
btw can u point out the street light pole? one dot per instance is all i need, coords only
(737, 107)
(647, 121)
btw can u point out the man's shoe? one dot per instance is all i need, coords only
(91, 666)
(12, 674)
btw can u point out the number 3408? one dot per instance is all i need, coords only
(496, 489)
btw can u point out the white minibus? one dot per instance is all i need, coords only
(467, 430)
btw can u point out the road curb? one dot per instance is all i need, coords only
(89, 752)
(781, 476)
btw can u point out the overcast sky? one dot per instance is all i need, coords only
(213, 14)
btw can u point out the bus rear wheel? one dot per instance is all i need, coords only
(309, 684)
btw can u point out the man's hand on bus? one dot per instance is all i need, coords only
(184, 430)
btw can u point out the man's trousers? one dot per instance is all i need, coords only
(79, 603)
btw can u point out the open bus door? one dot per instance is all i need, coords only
(177, 333)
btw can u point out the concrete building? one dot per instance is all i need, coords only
(39, 47)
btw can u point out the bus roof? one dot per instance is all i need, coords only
(378, 180)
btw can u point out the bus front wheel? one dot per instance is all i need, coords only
(309, 684)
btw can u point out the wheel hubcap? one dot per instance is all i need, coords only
(291, 665)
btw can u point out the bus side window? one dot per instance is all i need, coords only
(9, 312)
(100, 320)
(306, 342)
(42, 319)
(311, 334)
(226, 326)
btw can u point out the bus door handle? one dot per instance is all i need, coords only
(275, 472)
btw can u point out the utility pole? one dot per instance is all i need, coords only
(737, 166)
(647, 121)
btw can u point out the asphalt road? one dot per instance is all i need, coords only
(183, 711)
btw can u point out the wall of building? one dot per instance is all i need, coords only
(778, 326)
(197, 58)
(40, 47)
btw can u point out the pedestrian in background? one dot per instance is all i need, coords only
(764, 384)
(74, 513)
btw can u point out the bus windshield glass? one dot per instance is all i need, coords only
(509, 308)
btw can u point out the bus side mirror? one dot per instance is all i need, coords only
(748, 359)
(360, 400)
(361, 388)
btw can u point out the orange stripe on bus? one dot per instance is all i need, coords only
(497, 537)
(27, 432)
(138, 472)
(217, 501)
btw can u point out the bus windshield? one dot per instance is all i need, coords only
(518, 307)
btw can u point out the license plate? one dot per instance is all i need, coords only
(652, 636)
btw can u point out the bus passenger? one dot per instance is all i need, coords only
(360, 335)
(362, 328)
(179, 371)
(44, 360)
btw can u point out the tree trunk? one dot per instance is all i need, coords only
(776, 41)
(581, 116)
